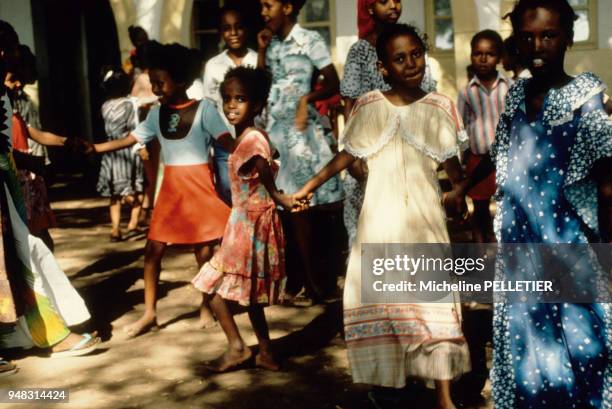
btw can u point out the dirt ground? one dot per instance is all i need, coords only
(165, 369)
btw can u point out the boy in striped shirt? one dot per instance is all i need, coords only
(480, 104)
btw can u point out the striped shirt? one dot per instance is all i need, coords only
(480, 109)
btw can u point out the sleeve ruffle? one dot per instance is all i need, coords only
(255, 144)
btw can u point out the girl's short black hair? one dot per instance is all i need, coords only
(115, 83)
(297, 6)
(24, 67)
(566, 13)
(390, 31)
(256, 81)
(510, 46)
(230, 7)
(8, 36)
(183, 64)
(138, 35)
(492, 36)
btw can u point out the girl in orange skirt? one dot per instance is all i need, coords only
(188, 209)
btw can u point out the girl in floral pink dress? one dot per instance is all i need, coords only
(249, 268)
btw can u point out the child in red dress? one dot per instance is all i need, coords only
(249, 268)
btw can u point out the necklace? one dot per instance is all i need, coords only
(183, 105)
(175, 117)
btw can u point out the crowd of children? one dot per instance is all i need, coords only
(259, 112)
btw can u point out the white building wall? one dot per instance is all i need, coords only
(346, 28)
(413, 12)
(605, 24)
(148, 16)
(488, 14)
(19, 15)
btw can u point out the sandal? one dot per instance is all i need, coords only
(115, 239)
(86, 345)
(7, 368)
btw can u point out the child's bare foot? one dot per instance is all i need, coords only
(142, 326)
(207, 319)
(230, 360)
(267, 361)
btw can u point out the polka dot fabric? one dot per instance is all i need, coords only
(551, 355)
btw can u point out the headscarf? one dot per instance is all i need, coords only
(365, 21)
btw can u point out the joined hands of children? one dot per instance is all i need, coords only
(78, 145)
(301, 200)
(454, 203)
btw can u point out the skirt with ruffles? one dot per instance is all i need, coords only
(249, 268)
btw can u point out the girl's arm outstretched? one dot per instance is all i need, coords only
(267, 179)
(341, 161)
(46, 138)
(115, 145)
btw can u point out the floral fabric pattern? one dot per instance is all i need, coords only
(249, 268)
(292, 63)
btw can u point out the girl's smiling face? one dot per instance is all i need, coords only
(237, 106)
(164, 86)
(542, 42)
(404, 61)
(386, 11)
(275, 13)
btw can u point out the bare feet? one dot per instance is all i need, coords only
(207, 319)
(230, 360)
(267, 361)
(142, 326)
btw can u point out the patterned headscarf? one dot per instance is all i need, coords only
(365, 21)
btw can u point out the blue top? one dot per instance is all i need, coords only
(194, 147)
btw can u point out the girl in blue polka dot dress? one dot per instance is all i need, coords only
(553, 153)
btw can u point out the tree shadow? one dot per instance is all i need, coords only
(110, 299)
(80, 218)
(109, 262)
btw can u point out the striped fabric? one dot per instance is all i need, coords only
(121, 172)
(480, 109)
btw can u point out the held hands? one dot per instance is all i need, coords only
(79, 146)
(263, 38)
(454, 204)
(288, 202)
(301, 200)
(301, 115)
